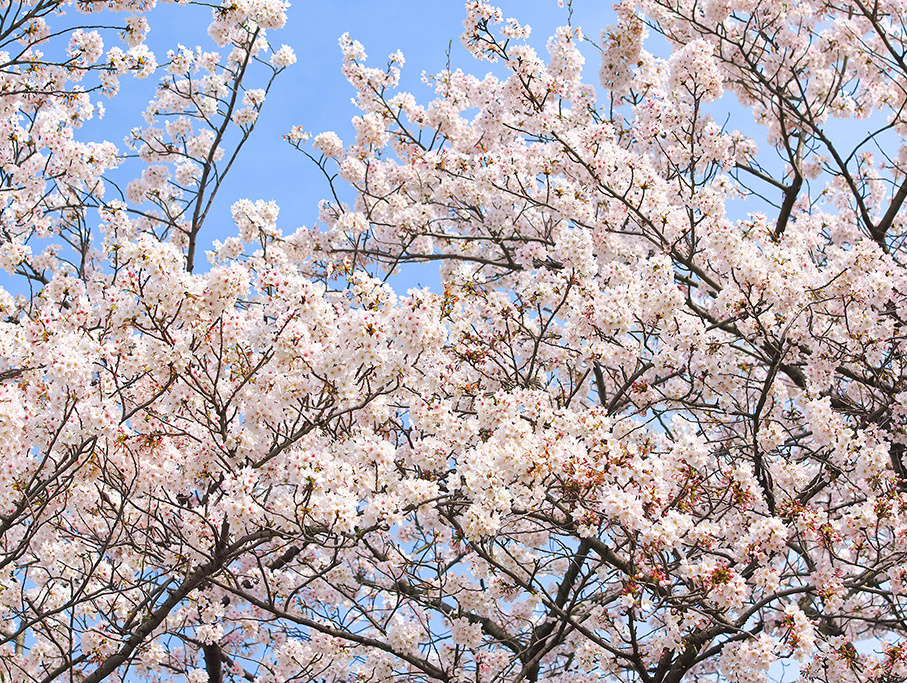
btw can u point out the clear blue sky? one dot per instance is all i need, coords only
(312, 93)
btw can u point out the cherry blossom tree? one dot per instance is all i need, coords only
(652, 429)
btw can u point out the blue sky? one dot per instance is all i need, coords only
(312, 93)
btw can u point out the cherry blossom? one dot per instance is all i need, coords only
(649, 428)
